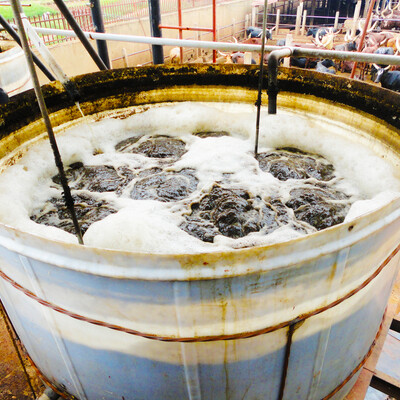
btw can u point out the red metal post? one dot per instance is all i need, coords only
(180, 26)
(364, 32)
(214, 27)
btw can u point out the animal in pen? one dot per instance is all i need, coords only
(388, 79)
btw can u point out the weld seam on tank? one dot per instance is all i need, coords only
(203, 338)
(51, 323)
(189, 353)
(319, 362)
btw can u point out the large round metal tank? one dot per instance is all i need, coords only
(294, 320)
(14, 72)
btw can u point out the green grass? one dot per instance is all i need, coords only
(35, 9)
(39, 7)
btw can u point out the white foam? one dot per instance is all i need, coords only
(151, 226)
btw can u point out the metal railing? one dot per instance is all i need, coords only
(123, 10)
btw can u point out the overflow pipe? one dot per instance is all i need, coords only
(273, 62)
(15, 36)
(79, 33)
(69, 201)
(226, 46)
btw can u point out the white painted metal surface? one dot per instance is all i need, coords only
(327, 292)
(14, 73)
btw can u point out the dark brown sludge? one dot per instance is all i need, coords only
(88, 210)
(156, 147)
(230, 212)
(223, 210)
(291, 163)
(165, 186)
(98, 178)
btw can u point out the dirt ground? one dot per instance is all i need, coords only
(18, 379)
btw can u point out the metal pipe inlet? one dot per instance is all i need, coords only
(284, 321)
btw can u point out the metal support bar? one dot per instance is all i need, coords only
(180, 30)
(186, 28)
(155, 22)
(79, 33)
(17, 10)
(15, 36)
(226, 46)
(395, 325)
(364, 32)
(98, 23)
(386, 384)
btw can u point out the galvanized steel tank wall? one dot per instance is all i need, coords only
(289, 321)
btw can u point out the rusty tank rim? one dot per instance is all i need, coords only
(126, 88)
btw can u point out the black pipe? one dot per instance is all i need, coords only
(77, 29)
(15, 36)
(273, 62)
(155, 22)
(98, 23)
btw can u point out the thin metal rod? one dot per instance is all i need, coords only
(186, 28)
(364, 32)
(180, 30)
(79, 33)
(260, 78)
(69, 201)
(98, 23)
(214, 27)
(225, 46)
(15, 36)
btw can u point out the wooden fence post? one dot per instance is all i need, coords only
(336, 24)
(298, 18)
(356, 17)
(289, 42)
(278, 15)
(303, 25)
